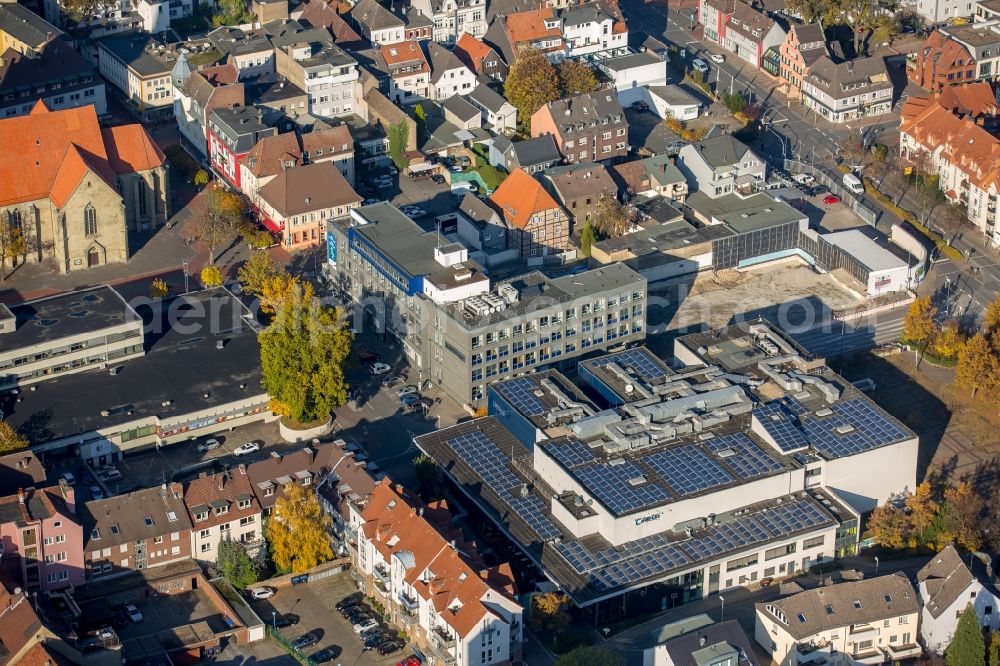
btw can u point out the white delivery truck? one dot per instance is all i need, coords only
(853, 183)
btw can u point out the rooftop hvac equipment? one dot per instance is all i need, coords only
(477, 306)
(508, 292)
(496, 302)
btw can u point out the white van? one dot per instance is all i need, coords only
(853, 183)
(700, 66)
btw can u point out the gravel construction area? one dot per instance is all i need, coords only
(793, 296)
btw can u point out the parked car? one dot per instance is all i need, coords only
(350, 600)
(248, 448)
(369, 202)
(392, 381)
(378, 368)
(109, 473)
(717, 58)
(209, 445)
(263, 592)
(389, 647)
(674, 147)
(134, 613)
(369, 356)
(304, 641)
(359, 617)
(325, 655)
(377, 639)
(804, 179)
(299, 579)
(405, 390)
(639, 105)
(438, 179)
(103, 633)
(412, 660)
(700, 66)
(365, 625)
(831, 199)
(285, 620)
(69, 478)
(96, 492)
(410, 399)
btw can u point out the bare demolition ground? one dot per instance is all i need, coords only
(792, 296)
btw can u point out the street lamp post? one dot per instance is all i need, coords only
(274, 620)
(876, 565)
(722, 616)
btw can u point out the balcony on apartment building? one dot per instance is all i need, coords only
(862, 632)
(870, 655)
(812, 653)
(442, 637)
(899, 652)
(407, 602)
(381, 573)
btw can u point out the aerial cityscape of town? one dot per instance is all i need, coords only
(499, 332)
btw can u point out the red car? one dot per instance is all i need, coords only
(831, 199)
(412, 660)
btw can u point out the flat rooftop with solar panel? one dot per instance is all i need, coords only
(698, 478)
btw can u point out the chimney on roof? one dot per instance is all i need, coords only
(243, 469)
(20, 495)
(421, 512)
(452, 544)
(222, 481)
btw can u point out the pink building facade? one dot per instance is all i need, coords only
(41, 538)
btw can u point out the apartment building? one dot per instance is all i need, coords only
(539, 29)
(721, 165)
(580, 188)
(42, 538)
(377, 24)
(453, 18)
(329, 76)
(157, 15)
(698, 641)
(961, 152)
(537, 225)
(198, 93)
(409, 73)
(278, 152)
(957, 54)
(223, 506)
(947, 586)
(449, 75)
(871, 621)
(942, 11)
(134, 531)
(590, 127)
(298, 203)
(326, 14)
(803, 46)
(437, 303)
(24, 31)
(846, 91)
(740, 28)
(590, 29)
(139, 66)
(249, 51)
(434, 585)
(232, 133)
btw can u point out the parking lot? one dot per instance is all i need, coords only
(314, 603)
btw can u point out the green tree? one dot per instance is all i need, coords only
(298, 531)
(429, 485)
(575, 77)
(550, 611)
(255, 237)
(531, 83)
(591, 656)
(587, 239)
(232, 12)
(421, 117)
(991, 321)
(255, 272)
(399, 134)
(201, 178)
(994, 649)
(919, 327)
(977, 365)
(210, 277)
(10, 440)
(302, 358)
(13, 243)
(222, 218)
(235, 564)
(735, 102)
(967, 647)
(492, 176)
(613, 218)
(889, 526)
(961, 515)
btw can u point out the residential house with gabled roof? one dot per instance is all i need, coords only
(484, 60)
(42, 538)
(345, 489)
(409, 73)
(750, 32)
(22, 470)
(309, 58)
(587, 127)
(579, 188)
(975, 101)
(665, 178)
(947, 585)
(25, 638)
(276, 153)
(539, 29)
(965, 157)
(249, 51)
(531, 155)
(803, 46)
(377, 24)
(698, 641)
(433, 584)
(197, 94)
(24, 31)
(496, 111)
(867, 621)
(55, 73)
(538, 225)
(222, 506)
(480, 226)
(452, 18)
(590, 29)
(298, 203)
(846, 91)
(87, 189)
(137, 530)
(324, 14)
(946, 58)
(449, 75)
(418, 26)
(721, 165)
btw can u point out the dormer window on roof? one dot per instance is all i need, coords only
(114, 528)
(857, 604)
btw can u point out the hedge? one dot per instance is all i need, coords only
(906, 215)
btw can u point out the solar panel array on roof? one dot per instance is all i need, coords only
(778, 423)
(656, 555)
(687, 469)
(639, 359)
(520, 393)
(492, 466)
(621, 487)
(572, 453)
(743, 456)
(855, 426)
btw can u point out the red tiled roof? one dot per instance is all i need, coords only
(519, 197)
(530, 26)
(224, 486)
(130, 149)
(409, 51)
(960, 141)
(471, 51)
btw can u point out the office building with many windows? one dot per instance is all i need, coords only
(458, 328)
